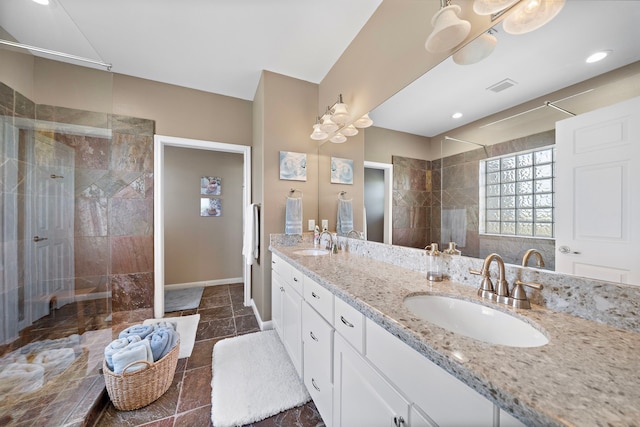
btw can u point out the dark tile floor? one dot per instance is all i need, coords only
(188, 401)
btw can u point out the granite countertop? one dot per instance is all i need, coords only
(587, 375)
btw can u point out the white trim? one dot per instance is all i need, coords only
(159, 142)
(264, 326)
(388, 197)
(204, 283)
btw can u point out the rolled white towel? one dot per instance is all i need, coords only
(21, 378)
(55, 361)
(117, 345)
(141, 330)
(134, 352)
(164, 324)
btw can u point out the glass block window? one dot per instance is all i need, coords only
(516, 194)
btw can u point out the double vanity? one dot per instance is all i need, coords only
(377, 344)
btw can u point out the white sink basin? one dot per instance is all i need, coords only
(311, 252)
(475, 321)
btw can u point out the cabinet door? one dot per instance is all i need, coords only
(277, 291)
(362, 398)
(507, 420)
(291, 325)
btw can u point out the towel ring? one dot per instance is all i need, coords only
(342, 195)
(293, 190)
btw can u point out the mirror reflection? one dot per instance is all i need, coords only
(536, 82)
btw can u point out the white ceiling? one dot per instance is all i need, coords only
(221, 46)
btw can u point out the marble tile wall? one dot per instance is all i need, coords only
(412, 202)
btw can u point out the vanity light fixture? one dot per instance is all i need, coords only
(531, 15)
(491, 7)
(477, 50)
(448, 29)
(334, 124)
(598, 56)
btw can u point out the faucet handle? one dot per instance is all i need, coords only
(519, 295)
(486, 286)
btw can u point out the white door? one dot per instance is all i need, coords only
(50, 237)
(598, 194)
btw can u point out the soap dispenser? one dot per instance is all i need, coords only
(434, 263)
(452, 250)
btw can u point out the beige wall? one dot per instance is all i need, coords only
(380, 144)
(199, 248)
(284, 110)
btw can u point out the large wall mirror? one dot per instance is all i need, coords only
(503, 99)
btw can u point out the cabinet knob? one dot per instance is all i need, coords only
(281, 289)
(398, 421)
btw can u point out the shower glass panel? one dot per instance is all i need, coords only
(55, 188)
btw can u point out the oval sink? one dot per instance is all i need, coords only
(311, 252)
(475, 321)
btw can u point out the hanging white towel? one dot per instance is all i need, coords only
(344, 224)
(293, 216)
(251, 241)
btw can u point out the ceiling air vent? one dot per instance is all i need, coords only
(502, 85)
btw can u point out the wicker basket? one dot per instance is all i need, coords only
(134, 390)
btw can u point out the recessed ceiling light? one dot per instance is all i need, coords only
(456, 115)
(43, 2)
(598, 56)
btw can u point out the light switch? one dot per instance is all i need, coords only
(312, 225)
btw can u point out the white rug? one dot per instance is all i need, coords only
(253, 379)
(182, 299)
(187, 327)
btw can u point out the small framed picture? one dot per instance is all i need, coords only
(210, 185)
(293, 166)
(210, 206)
(341, 171)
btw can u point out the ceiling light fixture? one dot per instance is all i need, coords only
(448, 29)
(598, 56)
(531, 15)
(334, 124)
(477, 50)
(456, 115)
(42, 2)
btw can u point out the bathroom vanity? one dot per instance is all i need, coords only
(366, 359)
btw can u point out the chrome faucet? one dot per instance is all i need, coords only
(354, 231)
(486, 290)
(527, 255)
(329, 242)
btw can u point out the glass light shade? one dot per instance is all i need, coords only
(349, 131)
(363, 122)
(340, 113)
(328, 125)
(448, 30)
(317, 133)
(338, 138)
(531, 15)
(476, 51)
(489, 7)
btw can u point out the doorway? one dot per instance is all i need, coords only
(378, 196)
(160, 142)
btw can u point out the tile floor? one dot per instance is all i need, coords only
(188, 401)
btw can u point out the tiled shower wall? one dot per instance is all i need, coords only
(423, 189)
(113, 202)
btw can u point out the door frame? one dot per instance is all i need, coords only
(388, 198)
(159, 142)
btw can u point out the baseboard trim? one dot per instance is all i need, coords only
(264, 326)
(204, 283)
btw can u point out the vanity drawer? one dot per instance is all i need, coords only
(349, 322)
(317, 336)
(319, 387)
(296, 280)
(319, 298)
(281, 267)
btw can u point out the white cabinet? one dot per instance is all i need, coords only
(507, 420)
(286, 308)
(362, 397)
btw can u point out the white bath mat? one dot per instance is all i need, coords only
(182, 299)
(187, 327)
(253, 379)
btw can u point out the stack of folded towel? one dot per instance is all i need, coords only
(140, 343)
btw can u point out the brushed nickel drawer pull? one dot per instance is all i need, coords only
(398, 421)
(346, 322)
(39, 239)
(313, 382)
(313, 294)
(313, 336)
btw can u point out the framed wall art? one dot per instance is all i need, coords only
(293, 166)
(341, 171)
(210, 185)
(210, 206)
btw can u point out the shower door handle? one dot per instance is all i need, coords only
(39, 239)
